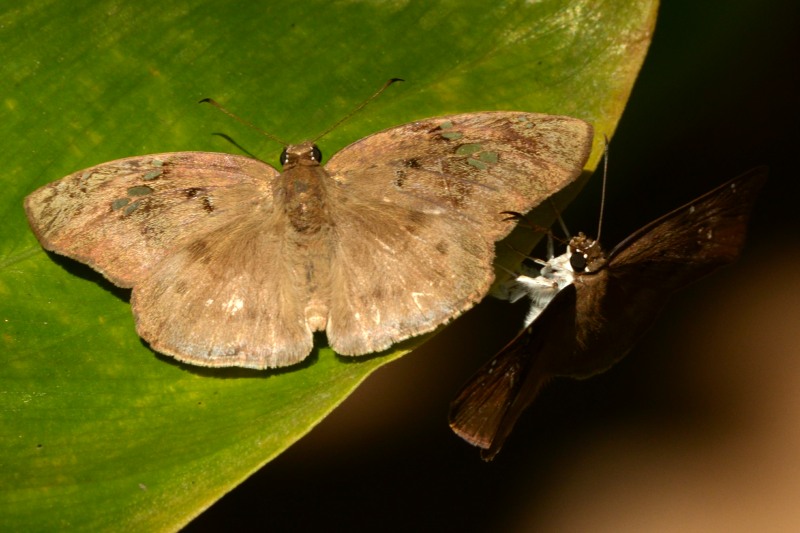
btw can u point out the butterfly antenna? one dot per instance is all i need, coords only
(357, 109)
(603, 190)
(243, 121)
(560, 220)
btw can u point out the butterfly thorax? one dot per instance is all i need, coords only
(299, 190)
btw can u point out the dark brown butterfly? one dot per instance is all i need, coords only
(589, 308)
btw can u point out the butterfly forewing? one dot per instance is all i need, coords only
(691, 241)
(123, 217)
(476, 165)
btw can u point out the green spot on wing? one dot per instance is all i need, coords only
(480, 165)
(140, 190)
(446, 125)
(157, 163)
(452, 135)
(153, 174)
(120, 203)
(489, 157)
(467, 149)
(132, 207)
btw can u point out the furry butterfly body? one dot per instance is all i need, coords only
(233, 263)
(589, 308)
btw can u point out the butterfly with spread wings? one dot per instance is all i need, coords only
(233, 263)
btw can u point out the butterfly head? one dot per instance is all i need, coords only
(306, 154)
(585, 254)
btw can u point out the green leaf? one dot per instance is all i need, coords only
(97, 431)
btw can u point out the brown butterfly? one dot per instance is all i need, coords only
(233, 263)
(589, 308)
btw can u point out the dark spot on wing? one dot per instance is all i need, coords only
(199, 251)
(152, 231)
(181, 287)
(207, 205)
(412, 162)
(400, 178)
(442, 247)
(416, 221)
(417, 217)
(193, 192)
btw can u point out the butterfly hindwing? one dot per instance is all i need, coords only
(490, 403)
(242, 292)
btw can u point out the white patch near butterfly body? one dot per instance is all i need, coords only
(557, 274)
(553, 276)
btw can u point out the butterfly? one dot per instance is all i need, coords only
(234, 263)
(589, 308)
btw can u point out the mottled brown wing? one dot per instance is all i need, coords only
(424, 202)
(232, 297)
(122, 218)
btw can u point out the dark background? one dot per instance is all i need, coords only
(695, 428)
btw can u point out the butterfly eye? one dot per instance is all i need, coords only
(284, 157)
(578, 262)
(316, 154)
